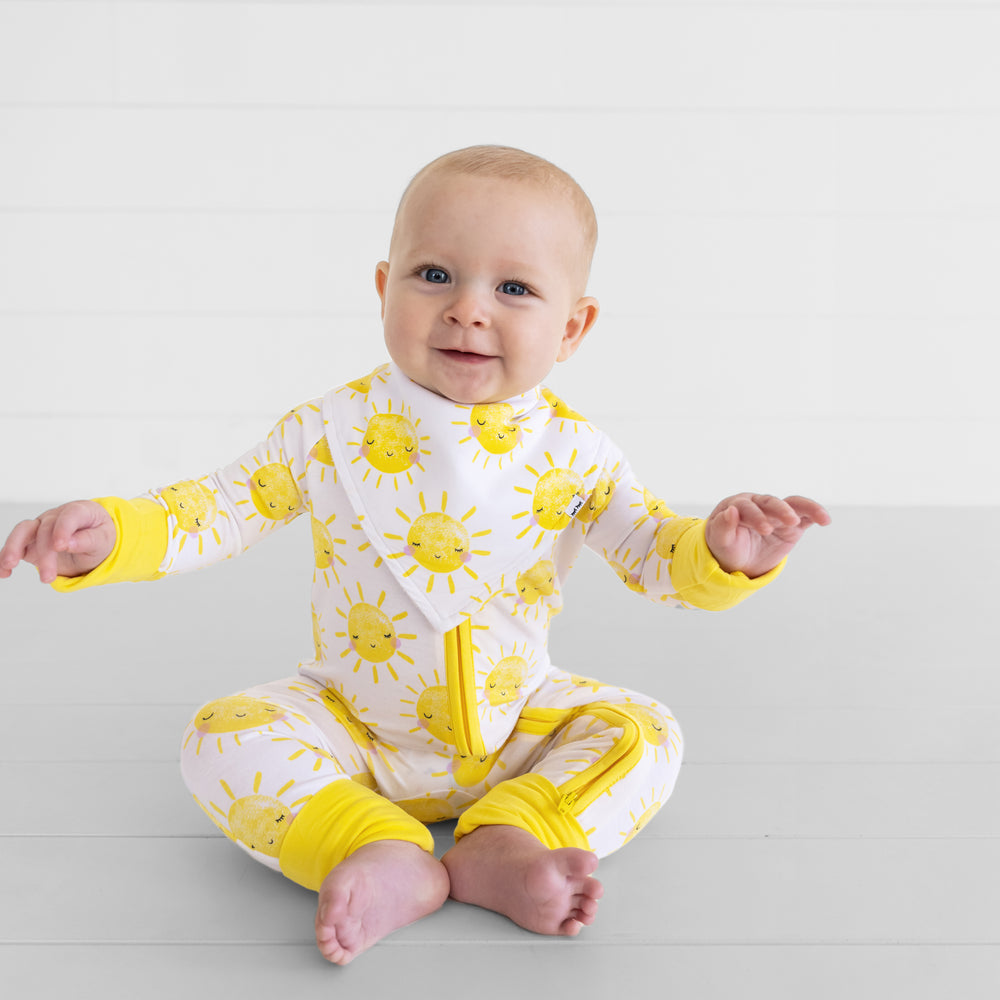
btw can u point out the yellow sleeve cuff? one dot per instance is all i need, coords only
(140, 545)
(699, 580)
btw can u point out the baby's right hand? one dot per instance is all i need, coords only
(66, 541)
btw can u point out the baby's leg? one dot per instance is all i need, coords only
(605, 761)
(373, 866)
(510, 871)
(277, 783)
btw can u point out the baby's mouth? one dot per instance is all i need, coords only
(466, 357)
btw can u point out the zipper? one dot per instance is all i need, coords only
(581, 790)
(461, 674)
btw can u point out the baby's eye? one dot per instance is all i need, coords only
(435, 275)
(513, 288)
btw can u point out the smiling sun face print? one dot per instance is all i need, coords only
(600, 497)
(558, 410)
(274, 493)
(194, 509)
(494, 430)
(627, 570)
(235, 715)
(432, 711)
(325, 556)
(669, 534)
(258, 821)
(438, 543)
(470, 771)
(557, 496)
(506, 679)
(534, 584)
(655, 728)
(391, 444)
(372, 635)
(320, 452)
(651, 507)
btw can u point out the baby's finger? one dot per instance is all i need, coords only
(777, 511)
(16, 546)
(41, 552)
(809, 510)
(752, 513)
(68, 522)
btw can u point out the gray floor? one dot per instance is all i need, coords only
(835, 832)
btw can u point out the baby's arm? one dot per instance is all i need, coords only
(751, 533)
(69, 541)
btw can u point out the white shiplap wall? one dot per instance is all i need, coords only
(798, 205)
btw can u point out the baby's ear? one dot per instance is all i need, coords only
(578, 325)
(381, 279)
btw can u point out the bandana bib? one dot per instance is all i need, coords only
(454, 498)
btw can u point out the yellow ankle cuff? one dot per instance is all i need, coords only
(337, 821)
(530, 802)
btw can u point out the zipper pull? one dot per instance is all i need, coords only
(567, 802)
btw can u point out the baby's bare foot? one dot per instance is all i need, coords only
(506, 869)
(378, 889)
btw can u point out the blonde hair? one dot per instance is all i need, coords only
(515, 164)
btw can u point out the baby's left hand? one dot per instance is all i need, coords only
(751, 533)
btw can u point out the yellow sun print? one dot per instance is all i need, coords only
(429, 808)
(258, 821)
(557, 496)
(363, 386)
(495, 431)
(558, 410)
(372, 635)
(391, 444)
(535, 583)
(439, 543)
(626, 570)
(273, 491)
(194, 509)
(647, 813)
(234, 715)
(467, 772)
(600, 497)
(652, 507)
(432, 711)
(320, 452)
(508, 676)
(325, 556)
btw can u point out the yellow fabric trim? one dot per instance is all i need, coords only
(140, 545)
(699, 580)
(541, 721)
(582, 789)
(461, 674)
(529, 802)
(336, 822)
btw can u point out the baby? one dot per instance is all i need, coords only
(449, 494)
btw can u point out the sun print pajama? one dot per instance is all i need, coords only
(442, 534)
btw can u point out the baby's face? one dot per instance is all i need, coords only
(481, 296)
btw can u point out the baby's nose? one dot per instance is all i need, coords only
(468, 308)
